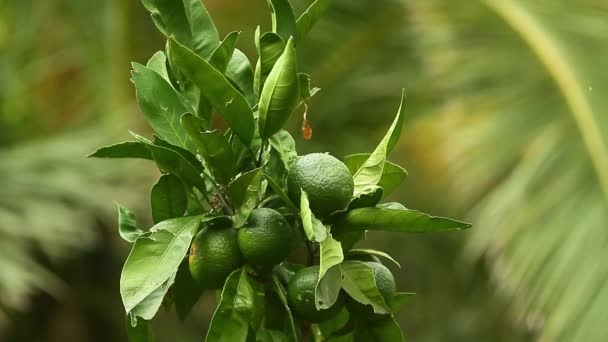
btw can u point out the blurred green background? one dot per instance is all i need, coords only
(506, 127)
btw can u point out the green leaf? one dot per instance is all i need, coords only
(279, 97)
(270, 47)
(162, 105)
(170, 161)
(308, 19)
(213, 147)
(339, 325)
(187, 155)
(391, 205)
(400, 299)
(359, 282)
(148, 307)
(354, 252)
(313, 228)
(186, 291)
(187, 21)
(280, 292)
(330, 279)
(158, 63)
(348, 238)
(384, 330)
(305, 91)
(368, 197)
(226, 99)
(223, 54)
(168, 198)
(268, 335)
(277, 189)
(127, 226)
(240, 72)
(283, 19)
(371, 171)
(397, 220)
(284, 144)
(128, 149)
(139, 330)
(155, 257)
(328, 286)
(392, 174)
(239, 305)
(243, 192)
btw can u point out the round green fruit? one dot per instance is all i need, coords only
(301, 296)
(325, 179)
(214, 254)
(385, 282)
(266, 239)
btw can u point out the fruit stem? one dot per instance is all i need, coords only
(227, 209)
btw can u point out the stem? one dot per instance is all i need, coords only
(261, 155)
(219, 194)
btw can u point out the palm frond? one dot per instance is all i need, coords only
(523, 136)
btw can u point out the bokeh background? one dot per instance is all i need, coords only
(506, 127)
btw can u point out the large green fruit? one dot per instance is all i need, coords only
(301, 296)
(266, 239)
(385, 282)
(325, 179)
(214, 254)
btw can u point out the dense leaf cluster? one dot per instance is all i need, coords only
(223, 153)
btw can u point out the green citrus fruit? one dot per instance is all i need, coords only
(385, 282)
(325, 179)
(301, 296)
(214, 254)
(365, 258)
(266, 239)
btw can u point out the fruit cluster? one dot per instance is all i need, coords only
(237, 209)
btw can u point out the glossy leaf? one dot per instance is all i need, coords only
(277, 189)
(280, 292)
(139, 330)
(368, 197)
(240, 72)
(224, 97)
(359, 282)
(397, 220)
(187, 21)
(162, 105)
(284, 144)
(158, 63)
(308, 19)
(148, 307)
(354, 252)
(283, 19)
(168, 198)
(313, 228)
(270, 47)
(239, 305)
(170, 161)
(187, 155)
(213, 147)
(371, 171)
(223, 54)
(348, 238)
(155, 257)
(186, 291)
(329, 283)
(280, 93)
(384, 330)
(392, 174)
(306, 91)
(128, 149)
(244, 191)
(127, 225)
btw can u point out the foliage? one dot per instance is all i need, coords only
(529, 160)
(180, 99)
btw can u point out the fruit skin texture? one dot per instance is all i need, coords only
(301, 296)
(266, 239)
(214, 254)
(325, 179)
(385, 282)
